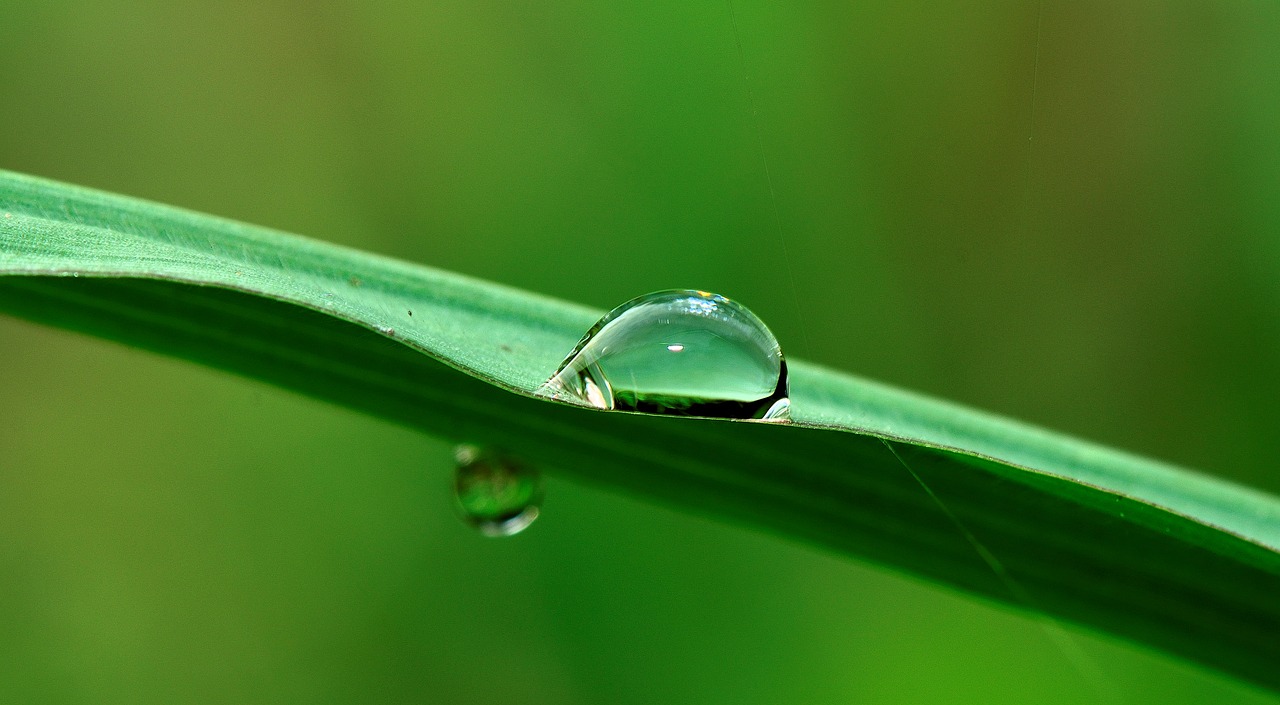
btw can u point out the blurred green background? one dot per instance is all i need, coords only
(1104, 262)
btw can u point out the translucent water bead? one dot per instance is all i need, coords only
(680, 352)
(496, 493)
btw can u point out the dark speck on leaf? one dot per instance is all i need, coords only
(355, 281)
(505, 347)
(411, 313)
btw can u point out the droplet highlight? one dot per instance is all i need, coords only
(679, 352)
(496, 493)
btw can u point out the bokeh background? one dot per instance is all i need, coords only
(1086, 240)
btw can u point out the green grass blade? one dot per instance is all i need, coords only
(1152, 553)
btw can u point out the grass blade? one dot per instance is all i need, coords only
(1156, 554)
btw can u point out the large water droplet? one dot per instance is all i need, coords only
(497, 494)
(681, 352)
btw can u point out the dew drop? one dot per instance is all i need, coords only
(497, 494)
(679, 352)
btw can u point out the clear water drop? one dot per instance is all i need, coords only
(496, 493)
(679, 352)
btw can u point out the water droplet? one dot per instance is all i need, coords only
(680, 352)
(497, 494)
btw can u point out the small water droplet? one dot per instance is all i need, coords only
(679, 352)
(497, 494)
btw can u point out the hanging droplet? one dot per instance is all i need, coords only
(497, 494)
(680, 352)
